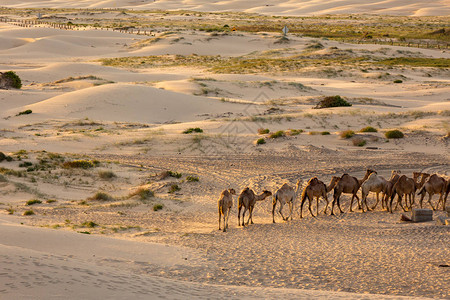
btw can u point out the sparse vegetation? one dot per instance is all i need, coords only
(260, 141)
(12, 79)
(106, 174)
(143, 193)
(398, 81)
(263, 130)
(368, 129)
(347, 134)
(394, 134)
(191, 178)
(101, 196)
(82, 164)
(191, 130)
(157, 207)
(358, 141)
(174, 188)
(278, 134)
(293, 132)
(28, 213)
(325, 133)
(89, 224)
(34, 201)
(174, 174)
(25, 112)
(332, 101)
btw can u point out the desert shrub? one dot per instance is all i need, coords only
(50, 201)
(25, 112)
(394, 134)
(157, 207)
(359, 142)
(313, 133)
(174, 174)
(191, 130)
(263, 130)
(101, 196)
(325, 133)
(260, 141)
(398, 81)
(192, 178)
(143, 193)
(10, 211)
(174, 188)
(25, 164)
(3, 178)
(332, 101)
(89, 224)
(81, 164)
(275, 135)
(293, 132)
(347, 134)
(106, 174)
(2, 156)
(28, 212)
(34, 201)
(368, 129)
(13, 79)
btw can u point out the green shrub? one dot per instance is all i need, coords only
(359, 142)
(157, 207)
(394, 134)
(174, 174)
(28, 212)
(347, 134)
(332, 101)
(106, 174)
(192, 178)
(89, 224)
(25, 164)
(81, 164)
(260, 141)
(174, 188)
(13, 78)
(293, 132)
(50, 200)
(34, 201)
(101, 196)
(2, 156)
(144, 193)
(263, 130)
(368, 129)
(398, 81)
(325, 133)
(25, 112)
(275, 135)
(191, 130)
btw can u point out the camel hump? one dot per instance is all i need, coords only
(313, 180)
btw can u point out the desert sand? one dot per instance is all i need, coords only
(126, 227)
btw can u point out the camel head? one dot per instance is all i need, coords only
(266, 193)
(232, 191)
(395, 173)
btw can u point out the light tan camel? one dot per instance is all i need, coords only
(285, 195)
(435, 184)
(316, 188)
(376, 184)
(348, 185)
(225, 203)
(404, 186)
(247, 199)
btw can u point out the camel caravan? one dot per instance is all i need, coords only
(398, 185)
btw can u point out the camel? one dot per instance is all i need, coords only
(435, 184)
(225, 203)
(404, 186)
(395, 175)
(316, 188)
(446, 192)
(285, 194)
(248, 198)
(376, 184)
(348, 185)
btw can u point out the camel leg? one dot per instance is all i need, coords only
(250, 215)
(239, 216)
(309, 206)
(421, 199)
(243, 216)
(429, 201)
(378, 200)
(219, 218)
(400, 201)
(226, 222)
(390, 203)
(291, 208)
(301, 208)
(281, 210)
(351, 204)
(326, 207)
(317, 206)
(274, 204)
(339, 204)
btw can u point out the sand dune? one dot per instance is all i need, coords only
(292, 7)
(127, 103)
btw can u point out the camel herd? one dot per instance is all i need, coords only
(398, 185)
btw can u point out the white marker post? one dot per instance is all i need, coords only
(285, 30)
